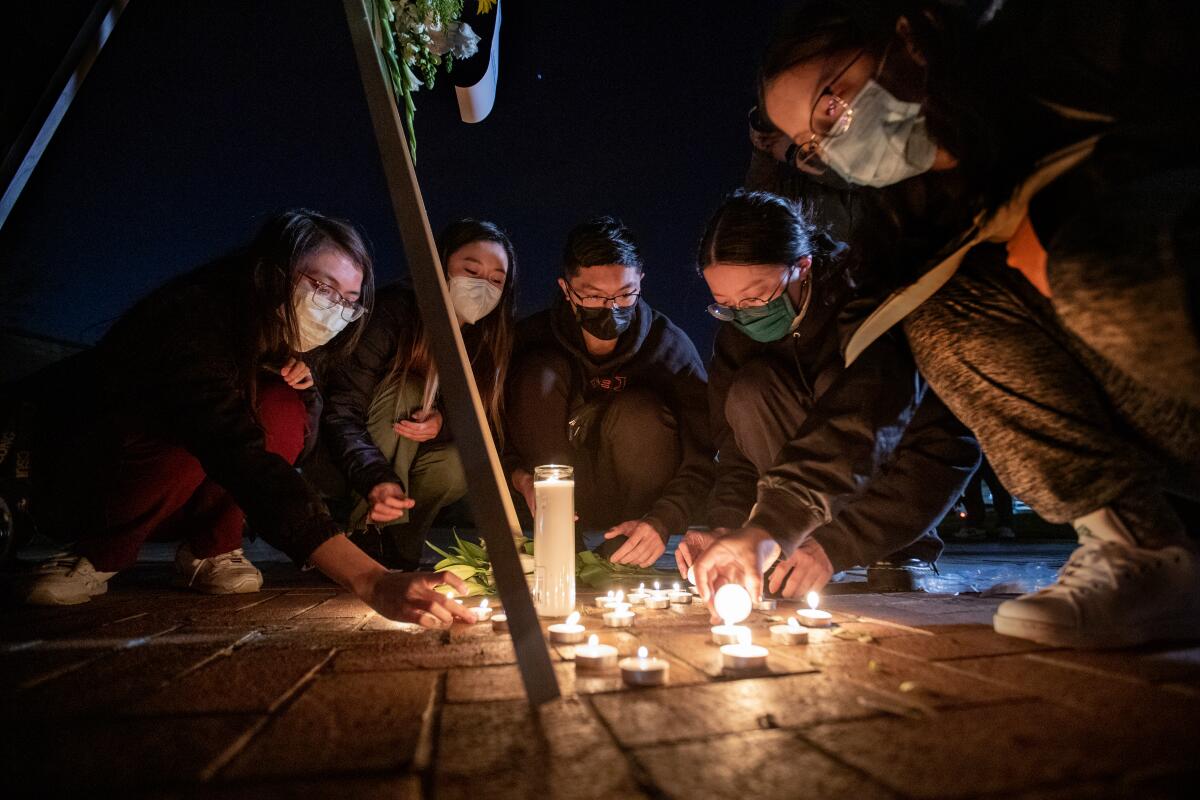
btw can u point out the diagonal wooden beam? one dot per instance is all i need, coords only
(39, 129)
(490, 499)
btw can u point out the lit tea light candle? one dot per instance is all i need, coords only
(656, 601)
(619, 616)
(732, 604)
(678, 597)
(643, 670)
(483, 611)
(500, 623)
(636, 598)
(594, 656)
(567, 632)
(791, 633)
(606, 600)
(813, 617)
(744, 655)
(658, 589)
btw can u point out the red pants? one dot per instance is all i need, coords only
(158, 490)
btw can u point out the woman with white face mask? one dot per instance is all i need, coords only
(198, 406)
(387, 459)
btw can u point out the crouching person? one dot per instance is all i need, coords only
(199, 402)
(834, 466)
(394, 463)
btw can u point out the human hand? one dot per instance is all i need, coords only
(1026, 254)
(296, 374)
(522, 481)
(413, 597)
(388, 502)
(643, 543)
(740, 557)
(693, 544)
(421, 427)
(806, 570)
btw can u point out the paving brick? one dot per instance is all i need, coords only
(342, 605)
(342, 724)
(698, 651)
(25, 668)
(94, 757)
(249, 680)
(479, 684)
(1155, 664)
(921, 685)
(653, 716)
(565, 754)
(762, 765)
(959, 753)
(392, 787)
(111, 682)
(962, 643)
(275, 610)
(403, 655)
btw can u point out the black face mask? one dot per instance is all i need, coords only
(605, 323)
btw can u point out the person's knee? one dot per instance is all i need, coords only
(639, 417)
(751, 392)
(438, 476)
(284, 419)
(539, 375)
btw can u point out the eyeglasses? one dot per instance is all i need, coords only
(752, 307)
(829, 118)
(607, 301)
(327, 297)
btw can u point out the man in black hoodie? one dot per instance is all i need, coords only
(604, 383)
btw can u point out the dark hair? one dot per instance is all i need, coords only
(284, 244)
(755, 228)
(490, 356)
(600, 240)
(969, 112)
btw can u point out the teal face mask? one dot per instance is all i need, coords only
(766, 323)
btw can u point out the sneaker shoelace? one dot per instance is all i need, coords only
(1094, 565)
(232, 557)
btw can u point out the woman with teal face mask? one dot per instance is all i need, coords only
(830, 466)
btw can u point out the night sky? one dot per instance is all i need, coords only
(200, 118)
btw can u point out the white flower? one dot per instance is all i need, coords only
(456, 38)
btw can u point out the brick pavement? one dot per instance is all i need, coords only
(301, 691)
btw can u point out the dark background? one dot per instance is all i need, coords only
(200, 118)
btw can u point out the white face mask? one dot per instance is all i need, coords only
(316, 325)
(474, 298)
(885, 143)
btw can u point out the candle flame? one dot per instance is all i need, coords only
(814, 600)
(656, 586)
(620, 598)
(793, 624)
(641, 587)
(643, 653)
(743, 636)
(610, 594)
(483, 603)
(675, 587)
(573, 618)
(593, 640)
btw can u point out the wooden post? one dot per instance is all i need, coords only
(39, 129)
(490, 498)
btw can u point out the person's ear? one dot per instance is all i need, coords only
(805, 266)
(562, 284)
(904, 31)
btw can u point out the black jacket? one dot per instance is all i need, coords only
(170, 366)
(856, 420)
(652, 353)
(395, 323)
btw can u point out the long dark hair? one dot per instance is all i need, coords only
(979, 118)
(276, 256)
(495, 332)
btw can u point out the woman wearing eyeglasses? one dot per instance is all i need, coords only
(833, 467)
(1042, 225)
(608, 385)
(198, 402)
(383, 428)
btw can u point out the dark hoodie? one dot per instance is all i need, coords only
(653, 353)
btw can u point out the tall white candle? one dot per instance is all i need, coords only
(554, 539)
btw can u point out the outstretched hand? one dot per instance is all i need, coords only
(806, 570)
(643, 543)
(740, 557)
(412, 597)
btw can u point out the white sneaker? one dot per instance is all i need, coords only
(64, 580)
(228, 573)
(1110, 593)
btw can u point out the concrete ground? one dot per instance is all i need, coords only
(302, 691)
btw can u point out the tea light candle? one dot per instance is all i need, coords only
(691, 579)
(732, 604)
(595, 656)
(500, 623)
(483, 611)
(743, 655)
(568, 632)
(606, 600)
(636, 598)
(643, 670)
(656, 601)
(812, 616)
(658, 589)
(619, 617)
(791, 633)
(678, 597)
(766, 604)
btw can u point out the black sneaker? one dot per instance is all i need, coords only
(898, 575)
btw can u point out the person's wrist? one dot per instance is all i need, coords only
(363, 584)
(658, 527)
(763, 544)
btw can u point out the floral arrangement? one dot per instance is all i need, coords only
(419, 37)
(470, 562)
